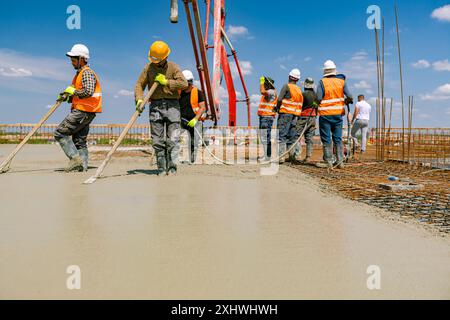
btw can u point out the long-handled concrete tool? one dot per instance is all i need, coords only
(133, 119)
(4, 167)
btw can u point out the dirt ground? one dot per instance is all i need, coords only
(210, 232)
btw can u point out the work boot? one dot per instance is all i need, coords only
(281, 152)
(327, 157)
(84, 154)
(75, 164)
(171, 163)
(340, 156)
(171, 171)
(68, 147)
(161, 163)
(309, 153)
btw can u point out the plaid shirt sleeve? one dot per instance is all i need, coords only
(89, 83)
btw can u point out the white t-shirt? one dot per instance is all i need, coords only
(364, 110)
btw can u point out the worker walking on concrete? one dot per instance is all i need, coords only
(85, 94)
(361, 118)
(192, 106)
(289, 107)
(165, 108)
(333, 94)
(267, 114)
(307, 121)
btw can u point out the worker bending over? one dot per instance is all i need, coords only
(164, 108)
(85, 94)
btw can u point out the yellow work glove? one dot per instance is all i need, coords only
(192, 123)
(64, 97)
(139, 105)
(161, 79)
(70, 90)
(262, 80)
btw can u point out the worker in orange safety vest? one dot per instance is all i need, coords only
(289, 108)
(266, 114)
(333, 94)
(85, 94)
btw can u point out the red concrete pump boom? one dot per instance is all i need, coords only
(211, 85)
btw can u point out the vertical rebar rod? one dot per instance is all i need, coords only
(401, 82)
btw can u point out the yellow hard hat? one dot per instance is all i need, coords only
(159, 51)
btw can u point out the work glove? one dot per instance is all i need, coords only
(161, 79)
(348, 100)
(262, 80)
(139, 106)
(66, 94)
(63, 97)
(70, 90)
(192, 123)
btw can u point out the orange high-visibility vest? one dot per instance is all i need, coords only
(265, 108)
(195, 104)
(333, 102)
(295, 103)
(90, 104)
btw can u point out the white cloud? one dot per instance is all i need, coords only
(440, 94)
(246, 68)
(223, 94)
(16, 64)
(421, 64)
(307, 59)
(442, 13)
(362, 85)
(235, 32)
(15, 72)
(283, 67)
(360, 67)
(254, 100)
(443, 65)
(124, 93)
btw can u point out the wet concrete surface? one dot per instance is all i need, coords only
(210, 232)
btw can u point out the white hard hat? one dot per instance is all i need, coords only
(295, 73)
(188, 75)
(329, 68)
(329, 64)
(79, 50)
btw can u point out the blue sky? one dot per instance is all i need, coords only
(271, 38)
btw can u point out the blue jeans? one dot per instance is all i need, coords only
(286, 128)
(331, 129)
(265, 127)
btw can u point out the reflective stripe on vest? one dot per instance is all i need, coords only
(295, 103)
(89, 104)
(265, 108)
(195, 104)
(333, 102)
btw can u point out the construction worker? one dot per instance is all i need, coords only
(165, 108)
(85, 94)
(289, 107)
(360, 120)
(267, 114)
(192, 106)
(306, 123)
(333, 94)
